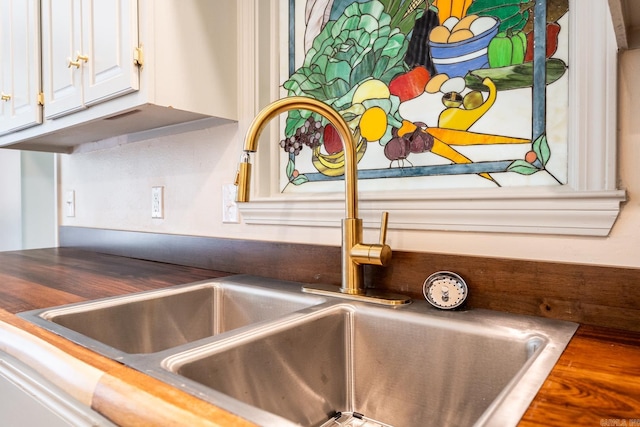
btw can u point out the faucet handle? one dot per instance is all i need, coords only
(373, 254)
(383, 228)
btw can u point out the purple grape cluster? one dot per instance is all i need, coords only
(309, 134)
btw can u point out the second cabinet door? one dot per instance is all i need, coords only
(87, 52)
(109, 39)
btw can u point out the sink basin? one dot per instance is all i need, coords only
(403, 367)
(266, 351)
(152, 321)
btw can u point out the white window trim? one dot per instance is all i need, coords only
(588, 205)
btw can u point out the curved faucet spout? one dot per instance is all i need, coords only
(354, 252)
(304, 103)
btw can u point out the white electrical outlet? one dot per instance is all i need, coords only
(70, 203)
(229, 207)
(157, 202)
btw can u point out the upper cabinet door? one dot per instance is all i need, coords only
(20, 65)
(61, 44)
(87, 52)
(109, 37)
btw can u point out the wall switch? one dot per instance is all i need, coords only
(229, 207)
(157, 202)
(70, 203)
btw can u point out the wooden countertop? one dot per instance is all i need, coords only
(596, 381)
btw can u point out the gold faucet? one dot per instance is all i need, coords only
(354, 252)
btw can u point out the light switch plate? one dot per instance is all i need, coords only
(157, 202)
(229, 207)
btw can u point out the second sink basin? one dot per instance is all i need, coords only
(404, 367)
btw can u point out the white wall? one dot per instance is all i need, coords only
(38, 200)
(113, 190)
(10, 201)
(27, 200)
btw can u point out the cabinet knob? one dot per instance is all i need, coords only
(5, 97)
(73, 63)
(80, 58)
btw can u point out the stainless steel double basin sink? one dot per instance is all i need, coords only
(275, 356)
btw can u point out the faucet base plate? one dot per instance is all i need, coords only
(375, 296)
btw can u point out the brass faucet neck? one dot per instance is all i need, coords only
(303, 103)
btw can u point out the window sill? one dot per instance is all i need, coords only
(544, 211)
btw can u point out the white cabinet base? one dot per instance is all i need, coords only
(28, 399)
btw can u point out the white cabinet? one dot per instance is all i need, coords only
(118, 68)
(19, 65)
(87, 52)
